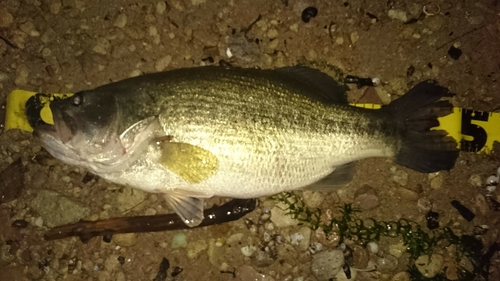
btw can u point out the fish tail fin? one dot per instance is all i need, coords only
(416, 112)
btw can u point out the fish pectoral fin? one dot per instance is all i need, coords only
(189, 209)
(341, 176)
(191, 163)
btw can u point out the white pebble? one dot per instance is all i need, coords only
(376, 81)
(491, 188)
(493, 179)
(247, 251)
(372, 247)
(229, 54)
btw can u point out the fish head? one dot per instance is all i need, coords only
(85, 129)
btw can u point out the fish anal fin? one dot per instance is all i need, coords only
(191, 163)
(189, 209)
(341, 176)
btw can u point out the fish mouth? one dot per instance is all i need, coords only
(63, 129)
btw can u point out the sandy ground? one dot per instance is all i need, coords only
(70, 45)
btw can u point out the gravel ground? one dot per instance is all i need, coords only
(70, 45)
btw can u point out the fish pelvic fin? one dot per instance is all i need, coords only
(416, 113)
(341, 176)
(189, 209)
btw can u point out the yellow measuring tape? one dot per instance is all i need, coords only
(474, 131)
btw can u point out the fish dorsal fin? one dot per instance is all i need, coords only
(341, 176)
(191, 163)
(189, 209)
(322, 87)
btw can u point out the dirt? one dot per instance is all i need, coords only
(64, 46)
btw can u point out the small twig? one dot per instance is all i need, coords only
(233, 210)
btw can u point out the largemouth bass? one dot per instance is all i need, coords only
(200, 132)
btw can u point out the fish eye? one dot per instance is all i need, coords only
(77, 99)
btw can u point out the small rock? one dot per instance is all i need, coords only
(195, 248)
(125, 239)
(475, 180)
(360, 257)
(56, 209)
(424, 205)
(399, 176)
(280, 218)
(366, 198)
(6, 18)
(429, 267)
(48, 36)
(407, 194)
(121, 21)
(102, 47)
(55, 6)
(129, 198)
(301, 238)
(161, 7)
(179, 241)
(5, 256)
(29, 28)
(435, 23)
(163, 63)
(401, 276)
(481, 204)
(397, 249)
(354, 37)
(387, 263)
(325, 265)
(313, 199)
(248, 251)
(436, 180)
(262, 258)
(397, 15)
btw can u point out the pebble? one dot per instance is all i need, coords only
(436, 180)
(360, 256)
(401, 276)
(125, 239)
(387, 263)
(194, 249)
(5, 256)
(248, 251)
(56, 209)
(179, 240)
(55, 6)
(129, 198)
(397, 249)
(163, 63)
(408, 194)
(48, 35)
(309, 13)
(6, 18)
(22, 73)
(102, 47)
(366, 198)
(475, 180)
(280, 218)
(29, 28)
(325, 265)
(373, 247)
(397, 15)
(121, 21)
(399, 176)
(354, 37)
(313, 199)
(301, 238)
(429, 267)
(161, 7)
